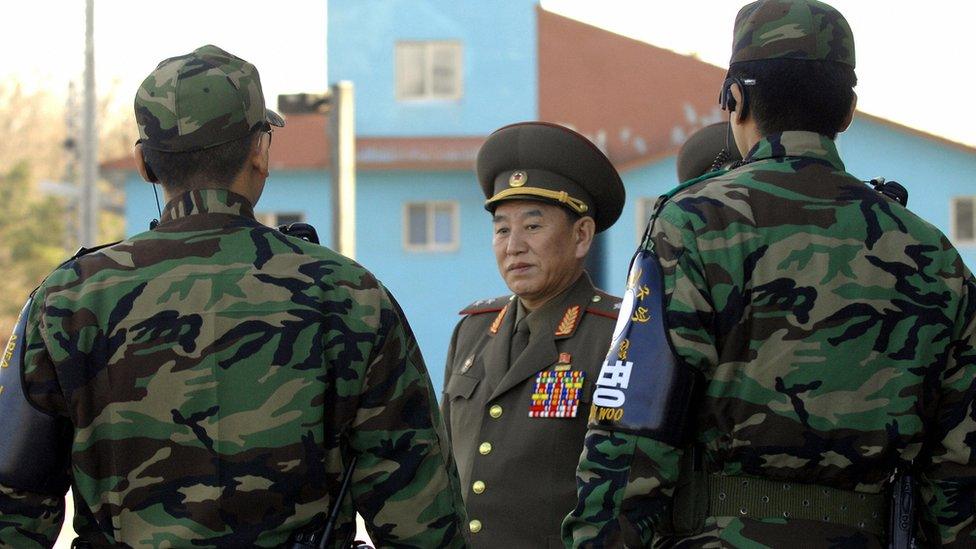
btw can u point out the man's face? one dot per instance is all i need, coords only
(538, 248)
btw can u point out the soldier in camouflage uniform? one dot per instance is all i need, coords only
(211, 377)
(829, 332)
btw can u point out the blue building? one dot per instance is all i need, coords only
(434, 77)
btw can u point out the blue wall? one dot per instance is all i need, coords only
(648, 181)
(430, 286)
(498, 59)
(932, 172)
(297, 191)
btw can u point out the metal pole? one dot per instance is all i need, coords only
(342, 133)
(88, 209)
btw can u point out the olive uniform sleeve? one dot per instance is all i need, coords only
(405, 483)
(947, 483)
(622, 475)
(30, 518)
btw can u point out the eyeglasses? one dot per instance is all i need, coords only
(270, 133)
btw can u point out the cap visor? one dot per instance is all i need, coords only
(274, 118)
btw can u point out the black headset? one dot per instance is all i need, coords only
(151, 177)
(727, 100)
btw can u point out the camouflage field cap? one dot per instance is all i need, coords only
(792, 29)
(199, 100)
(550, 163)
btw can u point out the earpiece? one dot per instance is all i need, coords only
(727, 100)
(150, 174)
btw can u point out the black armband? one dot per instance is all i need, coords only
(35, 446)
(643, 388)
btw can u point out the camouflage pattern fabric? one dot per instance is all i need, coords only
(836, 331)
(792, 29)
(199, 100)
(217, 373)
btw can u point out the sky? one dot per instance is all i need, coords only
(913, 58)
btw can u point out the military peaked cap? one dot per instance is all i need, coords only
(698, 154)
(550, 163)
(792, 29)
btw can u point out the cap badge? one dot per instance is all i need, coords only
(517, 179)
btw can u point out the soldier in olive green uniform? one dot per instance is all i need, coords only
(520, 368)
(815, 340)
(206, 382)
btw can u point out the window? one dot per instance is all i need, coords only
(645, 209)
(428, 70)
(964, 219)
(431, 226)
(275, 219)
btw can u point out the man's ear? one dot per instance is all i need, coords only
(144, 170)
(735, 113)
(260, 153)
(583, 231)
(850, 113)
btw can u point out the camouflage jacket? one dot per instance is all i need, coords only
(835, 333)
(216, 372)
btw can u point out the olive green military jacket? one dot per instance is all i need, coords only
(217, 375)
(517, 472)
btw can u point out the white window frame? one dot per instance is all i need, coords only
(645, 204)
(272, 216)
(429, 47)
(430, 245)
(953, 227)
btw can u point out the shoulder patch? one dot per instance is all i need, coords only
(490, 305)
(604, 304)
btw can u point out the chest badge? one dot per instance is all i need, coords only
(557, 391)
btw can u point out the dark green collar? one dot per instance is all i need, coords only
(202, 201)
(796, 144)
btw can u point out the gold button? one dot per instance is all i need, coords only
(495, 411)
(596, 299)
(474, 526)
(478, 487)
(485, 448)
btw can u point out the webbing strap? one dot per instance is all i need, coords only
(759, 498)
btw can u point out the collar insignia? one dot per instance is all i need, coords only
(498, 320)
(568, 323)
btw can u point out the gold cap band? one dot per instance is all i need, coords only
(562, 197)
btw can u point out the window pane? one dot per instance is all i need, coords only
(443, 224)
(268, 219)
(289, 218)
(417, 224)
(964, 219)
(445, 70)
(411, 70)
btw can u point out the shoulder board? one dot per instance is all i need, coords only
(607, 306)
(491, 305)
